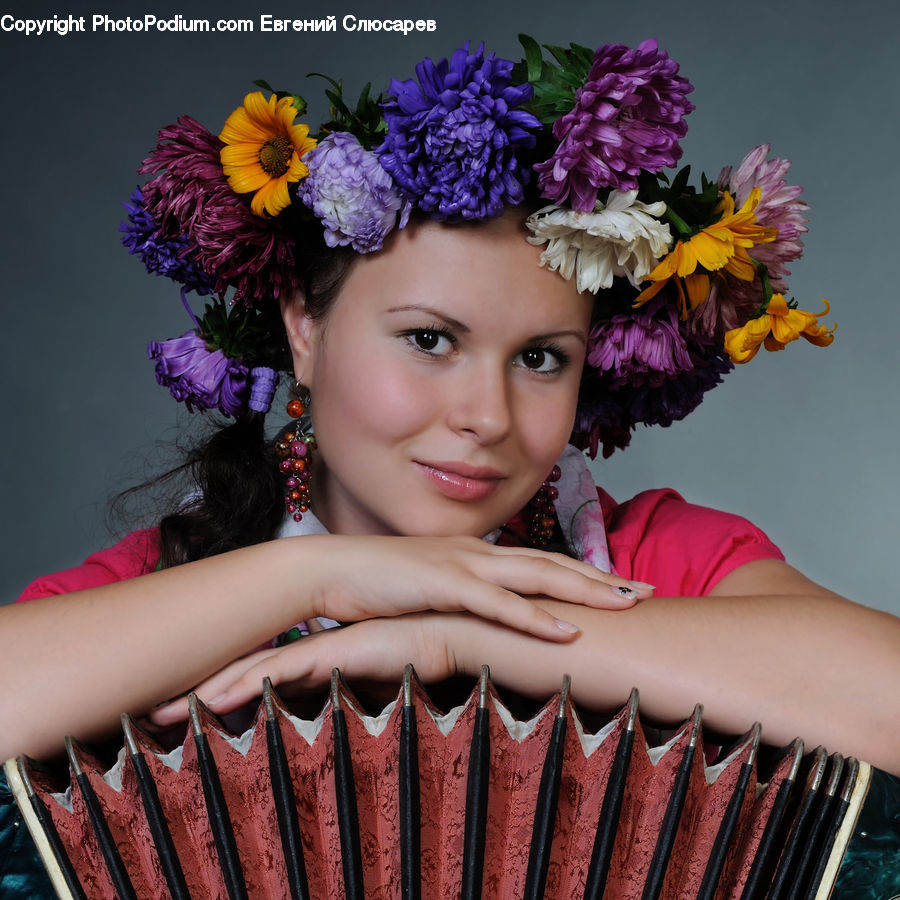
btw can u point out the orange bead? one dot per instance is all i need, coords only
(298, 465)
(295, 409)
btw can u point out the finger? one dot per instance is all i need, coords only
(307, 664)
(177, 710)
(488, 600)
(641, 589)
(544, 575)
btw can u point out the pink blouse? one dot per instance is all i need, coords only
(655, 537)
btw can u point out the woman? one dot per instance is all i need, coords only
(448, 364)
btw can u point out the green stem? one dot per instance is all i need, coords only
(677, 221)
(763, 271)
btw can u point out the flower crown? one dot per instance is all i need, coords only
(687, 281)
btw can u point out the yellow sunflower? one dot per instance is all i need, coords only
(263, 150)
(776, 327)
(720, 246)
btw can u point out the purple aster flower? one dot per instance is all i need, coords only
(199, 377)
(628, 117)
(453, 135)
(601, 421)
(351, 194)
(644, 347)
(779, 207)
(613, 402)
(672, 400)
(190, 197)
(172, 257)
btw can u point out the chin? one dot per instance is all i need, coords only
(453, 523)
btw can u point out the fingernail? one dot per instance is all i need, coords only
(644, 586)
(567, 627)
(216, 700)
(626, 592)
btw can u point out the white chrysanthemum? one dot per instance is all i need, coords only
(621, 237)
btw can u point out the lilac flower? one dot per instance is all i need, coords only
(779, 207)
(453, 135)
(200, 378)
(627, 118)
(173, 257)
(191, 197)
(351, 194)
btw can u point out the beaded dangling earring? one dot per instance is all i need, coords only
(541, 516)
(294, 449)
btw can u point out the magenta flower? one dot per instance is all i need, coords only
(614, 401)
(627, 118)
(779, 207)
(643, 347)
(198, 377)
(190, 197)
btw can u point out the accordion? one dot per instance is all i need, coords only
(415, 803)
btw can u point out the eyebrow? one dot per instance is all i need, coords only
(460, 326)
(416, 307)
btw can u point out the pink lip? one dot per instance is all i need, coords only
(460, 481)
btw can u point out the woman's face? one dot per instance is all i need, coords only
(443, 379)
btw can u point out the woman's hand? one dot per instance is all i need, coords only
(356, 578)
(372, 650)
(388, 586)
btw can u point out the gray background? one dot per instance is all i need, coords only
(802, 442)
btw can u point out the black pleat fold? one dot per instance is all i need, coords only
(410, 807)
(476, 804)
(348, 817)
(285, 804)
(217, 813)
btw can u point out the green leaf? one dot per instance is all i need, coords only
(365, 122)
(679, 183)
(328, 78)
(533, 57)
(262, 83)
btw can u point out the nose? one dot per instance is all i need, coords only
(480, 405)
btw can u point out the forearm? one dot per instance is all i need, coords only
(78, 661)
(819, 667)
(73, 663)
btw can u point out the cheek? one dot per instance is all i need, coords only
(546, 436)
(374, 401)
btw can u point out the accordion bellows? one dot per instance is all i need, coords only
(414, 803)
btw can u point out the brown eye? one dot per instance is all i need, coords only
(426, 340)
(534, 358)
(543, 360)
(430, 342)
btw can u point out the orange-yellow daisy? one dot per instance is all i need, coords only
(776, 327)
(263, 150)
(720, 246)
